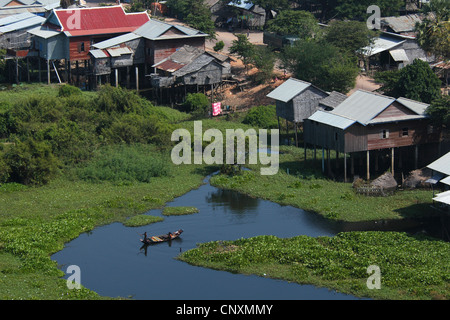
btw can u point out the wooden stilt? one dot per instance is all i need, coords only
(128, 77)
(392, 161)
(368, 165)
(296, 138)
(323, 160)
(287, 133)
(17, 70)
(116, 71)
(345, 167)
(48, 71)
(352, 164)
(416, 156)
(39, 71)
(28, 70)
(137, 79)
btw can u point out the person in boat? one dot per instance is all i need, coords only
(169, 235)
(145, 236)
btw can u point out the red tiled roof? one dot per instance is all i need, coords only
(99, 20)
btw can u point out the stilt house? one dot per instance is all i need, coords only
(367, 122)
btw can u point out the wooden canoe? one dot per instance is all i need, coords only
(162, 238)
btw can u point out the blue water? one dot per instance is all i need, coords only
(113, 262)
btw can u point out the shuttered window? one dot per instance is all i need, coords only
(384, 134)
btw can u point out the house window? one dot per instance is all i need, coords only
(405, 132)
(82, 47)
(430, 129)
(385, 134)
(336, 136)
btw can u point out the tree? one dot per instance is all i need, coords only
(299, 23)
(195, 13)
(416, 81)
(439, 111)
(31, 162)
(357, 9)
(264, 60)
(433, 32)
(243, 48)
(322, 64)
(199, 17)
(350, 36)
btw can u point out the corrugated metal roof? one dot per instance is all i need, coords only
(446, 180)
(381, 44)
(362, 106)
(416, 106)
(16, 18)
(117, 52)
(331, 119)
(99, 20)
(23, 24)
(154, 29)
(442, 164)
(116, 40)
(98, 53)
(443, 197)
(399, 55)
(288, 90)
(44, 32)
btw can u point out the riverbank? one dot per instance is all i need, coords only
(409, 267)
(299, 183)
(37, 221)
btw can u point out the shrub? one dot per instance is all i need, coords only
(262, 117)
(197, 104)
(4, 169)
(219, 46)
(124, 163)
(31, 162)
(67, 90)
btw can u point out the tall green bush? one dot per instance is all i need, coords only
(197, 104)
(262, 117)
(31, 162)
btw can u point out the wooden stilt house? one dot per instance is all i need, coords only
(366, 123)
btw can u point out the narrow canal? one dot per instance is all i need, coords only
(113, 262)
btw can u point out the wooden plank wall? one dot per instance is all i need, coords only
(75, 52)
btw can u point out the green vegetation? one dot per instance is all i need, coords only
(321, 64)
(411, 267)
(301, 24)
(262, 117)
(178, 211)
(72, 161)
(125, 164)
(306, 188)
(259, 57)
(416, 81)
(141, 220)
